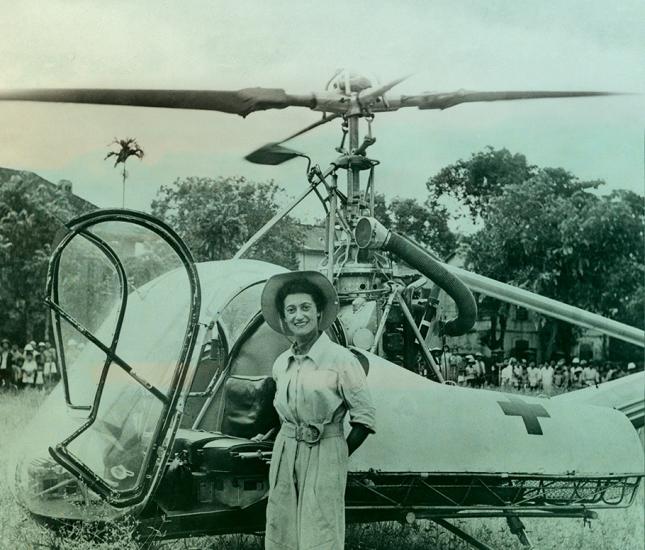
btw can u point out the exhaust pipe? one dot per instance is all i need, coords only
(369, 233)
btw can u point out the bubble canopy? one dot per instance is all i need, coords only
(124, 360)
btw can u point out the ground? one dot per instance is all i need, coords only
(621, 529)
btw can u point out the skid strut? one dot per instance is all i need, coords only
(518, 529)
(462, 534)
(514, 524)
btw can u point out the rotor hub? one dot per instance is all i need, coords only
(346, 82)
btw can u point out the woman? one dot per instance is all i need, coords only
(317, 383)
(29, 367)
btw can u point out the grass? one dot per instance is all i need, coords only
(620, 529)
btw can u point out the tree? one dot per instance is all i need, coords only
(426, 224)
(478, 180)
(128, 148)
(215, 216)
(31, 213)
(569, 245)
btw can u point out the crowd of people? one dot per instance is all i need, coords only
(34, 365)
(521, 374)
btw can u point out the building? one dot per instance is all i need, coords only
(32, 224)
(78, 204)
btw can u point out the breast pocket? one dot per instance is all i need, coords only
(320, 381)
(320, 395)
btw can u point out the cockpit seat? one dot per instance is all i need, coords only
(248, 406)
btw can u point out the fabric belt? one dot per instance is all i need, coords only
(309, 433)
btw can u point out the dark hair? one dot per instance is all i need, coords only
(299, 286)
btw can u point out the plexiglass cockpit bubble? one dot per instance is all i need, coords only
(124, 344)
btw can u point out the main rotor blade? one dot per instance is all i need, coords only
(450, 99)
(240, 102)
(273, 154)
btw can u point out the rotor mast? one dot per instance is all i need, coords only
(353, 172)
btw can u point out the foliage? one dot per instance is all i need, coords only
(426, 224)
(31, 213)
(128, 147)
(215, 216)
(572, 246)
(478, 180)
(541, 229)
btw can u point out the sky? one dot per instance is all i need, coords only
(298, 46)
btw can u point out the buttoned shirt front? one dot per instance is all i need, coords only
(319, 387)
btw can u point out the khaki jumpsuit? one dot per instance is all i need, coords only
(307, 478)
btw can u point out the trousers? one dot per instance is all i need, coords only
(307, 481)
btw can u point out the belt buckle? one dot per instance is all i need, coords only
(308, 433)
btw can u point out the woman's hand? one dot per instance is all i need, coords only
(356, 437)
(263, 437)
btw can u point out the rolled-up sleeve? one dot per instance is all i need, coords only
(356, 394)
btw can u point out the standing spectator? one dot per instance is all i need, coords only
(533, 375)
(39, 375)
(587, 374)
(50, 369)
(17, 359)
(575, 362)
(506, 375)
(518, 373)
(575, 380)
(609, 372)
(546, 374)
(494, 374)
(461, 370)
(15, 351)
(620, 371)
(561, 375)
(29, 367)
(6, 364)
(596, 368)
(525, 374)
(17, 370)
(470, 374)
(480, 370)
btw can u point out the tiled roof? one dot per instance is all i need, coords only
(79, 204)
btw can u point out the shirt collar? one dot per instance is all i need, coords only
(317, 351)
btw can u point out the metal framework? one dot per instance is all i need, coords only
(494, 495)
(80, 226)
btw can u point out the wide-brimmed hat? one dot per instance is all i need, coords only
(275, 283)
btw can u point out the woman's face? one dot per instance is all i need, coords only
(300, 314)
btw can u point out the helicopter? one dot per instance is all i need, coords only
(166, 364)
